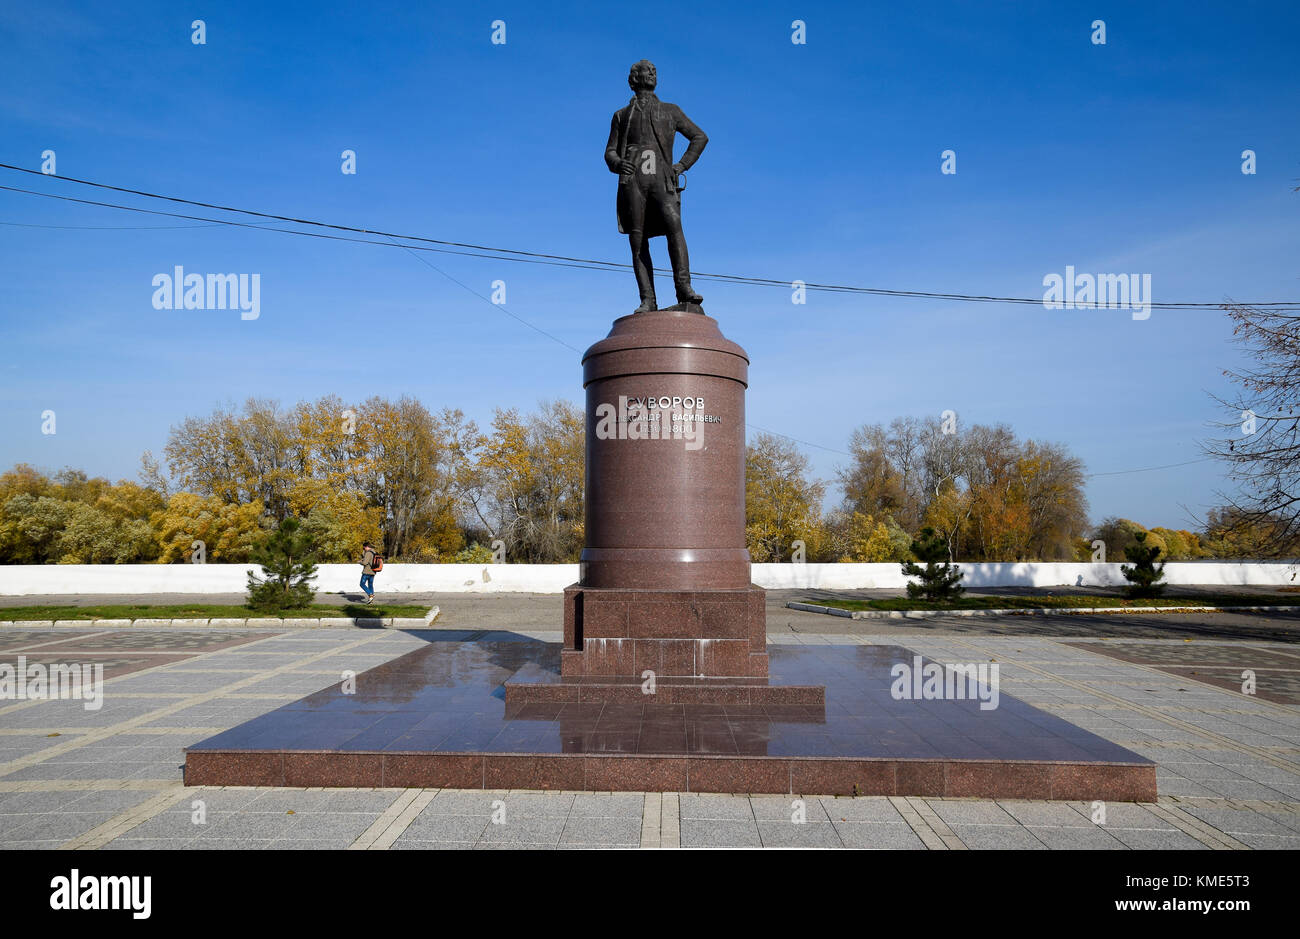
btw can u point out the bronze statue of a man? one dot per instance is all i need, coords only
(640, 150)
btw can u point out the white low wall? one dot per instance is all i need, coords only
(19, 580)
(1006, 574)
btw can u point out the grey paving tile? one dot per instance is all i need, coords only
(1235, 822)
(1076, 839)
(167, 825)
(1124, 815)
(360, 801)
(782, 808)
(1056, 814)
(602, 831)
(997, 837)
(427, 827)
(261, 826)
(108, 800)
(1146, 839)
(462, 802)
(325, 825)
(718, 807)
(288, 800)
(534, 830)
(1287, 822)
(785, 834)
(1178, 786)
(608, 805)
(218, 800)
(59, 826)
(971, 813)
(861, 809)
(1243, 789)
(1269, 841)
(146, 844)
(538, 804)
(22, 804)
(719, 833)
(877, 835)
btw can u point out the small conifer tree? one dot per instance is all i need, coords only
(1144, 576)
(288, 563)
(939, 579)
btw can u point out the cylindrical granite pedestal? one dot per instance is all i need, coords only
(665, 574)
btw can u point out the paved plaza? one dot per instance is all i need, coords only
(1228, 762)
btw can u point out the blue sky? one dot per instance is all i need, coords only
(823, 165)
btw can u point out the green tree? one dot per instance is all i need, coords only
(229, 531)
(939, 579)
(288, 565)
(1143, 576)
(782, 504)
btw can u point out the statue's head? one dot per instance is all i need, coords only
(643, 76)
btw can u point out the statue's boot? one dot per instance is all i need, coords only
(682, 270)
(686, 294)
(648, 305)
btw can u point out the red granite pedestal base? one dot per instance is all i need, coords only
(544, 688)
(612, 631)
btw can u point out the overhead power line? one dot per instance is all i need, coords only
(472, 250)
(512, 254)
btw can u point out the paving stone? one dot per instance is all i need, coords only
(25, 804)
(284, 800)
(60, 826)
(354, 800)
(538, 804)
(971, 813)
(1243, 789)
(719, 833)
(147, 844)
(1123, 815)
(325, 825)
(1075, 839)
(603, 831)
(464, 802)
(877, 835)
(778, 834)
(732, 808)
(1146, 839)
(263, 825)
(1056, 814)
(535, 830)
(608, 805)
(167, 825)
(1269, 841)
(997, 837)
(1231, 820)
(428, 827)
(861, 809)
(229, 844)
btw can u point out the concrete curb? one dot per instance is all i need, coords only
(1056, 611)
(324, 622)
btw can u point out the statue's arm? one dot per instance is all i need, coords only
(613, 159)
(698, 138)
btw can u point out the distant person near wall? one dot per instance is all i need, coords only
(371, 563)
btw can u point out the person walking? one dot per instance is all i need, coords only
(369, 557)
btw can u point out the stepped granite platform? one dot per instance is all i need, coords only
(438, 717)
